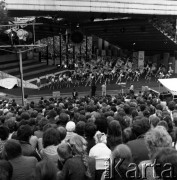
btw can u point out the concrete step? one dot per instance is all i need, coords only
(32, 78)
(25, 67)
(36, 71)
(13, 64)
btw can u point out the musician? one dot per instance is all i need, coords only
(69, 81)
(47, 80)
(137, 75)
(52, 82)
(121, 75)
(161, 75)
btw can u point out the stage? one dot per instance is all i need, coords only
(112, 89)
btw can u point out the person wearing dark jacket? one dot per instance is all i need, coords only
(23, 135)
(80, 166)
(138, 147)
(93, 88)
(75, 94)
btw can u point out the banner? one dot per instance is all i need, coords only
(170, 85)
(8, 83)
(4, 76)
(135, 60)
(141, 59)
(56, 94)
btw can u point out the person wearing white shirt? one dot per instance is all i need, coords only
(100, 150)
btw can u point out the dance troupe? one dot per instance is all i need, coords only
(104, 72)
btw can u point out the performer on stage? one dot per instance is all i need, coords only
(104, 89)
(75, 94)
(47, 80)
(119, 79)
(137, 75)
(131, 89)
(93, 88)
(38, 83)
(52, 86)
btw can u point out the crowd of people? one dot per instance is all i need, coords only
(110, 70)
(89, 138)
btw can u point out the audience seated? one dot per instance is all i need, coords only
(66, 138)
(80, 166)
(6, 170)
(51, 140)
(23, 166)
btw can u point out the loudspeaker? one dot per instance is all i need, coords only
(77, 37)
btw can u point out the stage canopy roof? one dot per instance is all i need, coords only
(83, 8)
(170, 85)
(123, 23)
(132, 34)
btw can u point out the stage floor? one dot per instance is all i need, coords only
(111, 89)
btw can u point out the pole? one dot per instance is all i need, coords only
(80, 51)
(34, 36)
(60, 51)
(86, 48)
(47, 53)
(21, 75)
(67, 63)
(73, 55)
(54, 50)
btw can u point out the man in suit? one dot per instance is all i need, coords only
(75, 94)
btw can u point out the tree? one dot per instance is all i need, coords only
(167, 24)
(3, 13)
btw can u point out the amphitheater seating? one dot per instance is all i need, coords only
(32, 68)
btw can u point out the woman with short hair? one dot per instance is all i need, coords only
(155, 140)
(51, 140)
(80, 166)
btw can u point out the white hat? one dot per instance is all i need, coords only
(70, 126)
(5, 111)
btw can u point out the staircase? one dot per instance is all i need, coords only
(32, 68)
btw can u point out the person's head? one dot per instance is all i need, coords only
(25, 116)
(100, 137)
(156, 139)
(169, 122)
(127, 135)
(64, 151)
(140, 126)
(171, 105)
(11, 124)
(163, 124)
(122, 152)
(42, 123)
(78, 144)
(80, 128)
(154, 120)
(167, 159)
(52, 114)
(114, 128)
(12, 149)
(63, 119)
(4, 133)
(90, 130)
(62, 132)
(101, 123)
(70, 126)
(6, 170)
(46, 170)
(51, 137)
(24, 133)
